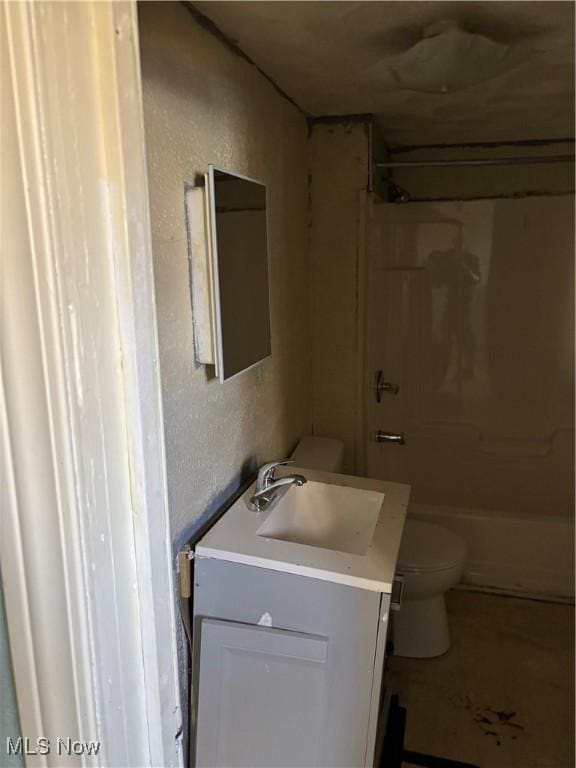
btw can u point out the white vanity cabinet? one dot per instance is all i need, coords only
(304, 691)
(287, 666)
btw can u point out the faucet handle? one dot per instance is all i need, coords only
(266, 471)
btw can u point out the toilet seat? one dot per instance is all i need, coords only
(426, 548)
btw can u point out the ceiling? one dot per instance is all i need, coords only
(331, 59)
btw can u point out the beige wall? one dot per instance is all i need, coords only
(339, 178)
(468, 182)
(204, 104)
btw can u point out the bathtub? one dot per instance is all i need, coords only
(526, 555)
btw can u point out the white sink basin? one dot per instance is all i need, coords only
(338, 528)
(326, 516)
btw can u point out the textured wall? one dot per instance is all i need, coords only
(339, 177)
(204, 104)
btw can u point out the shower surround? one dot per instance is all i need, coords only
(470, 311)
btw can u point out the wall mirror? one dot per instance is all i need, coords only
(239, 246)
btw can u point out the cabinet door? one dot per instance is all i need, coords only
(260, 697)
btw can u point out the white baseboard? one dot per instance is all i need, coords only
(512, 554)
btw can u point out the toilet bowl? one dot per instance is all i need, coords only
(431, 560)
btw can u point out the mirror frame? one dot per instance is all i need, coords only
(213, 238)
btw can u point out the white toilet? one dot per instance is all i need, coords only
(432, 560)
(323, 453)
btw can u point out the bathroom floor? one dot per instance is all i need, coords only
(503, 696)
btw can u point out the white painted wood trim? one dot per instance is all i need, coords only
(85, 545)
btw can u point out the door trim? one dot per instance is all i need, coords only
(85, 543)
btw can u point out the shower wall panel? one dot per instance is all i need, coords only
(471, 311)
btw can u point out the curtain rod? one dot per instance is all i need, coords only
(477, 161)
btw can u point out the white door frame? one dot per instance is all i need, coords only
(84, 534)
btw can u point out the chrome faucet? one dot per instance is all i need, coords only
(267, 485)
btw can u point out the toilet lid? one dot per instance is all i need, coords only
(428, 547)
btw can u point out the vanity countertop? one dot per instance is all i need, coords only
(235, 538)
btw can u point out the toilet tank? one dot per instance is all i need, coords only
(323, 453)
